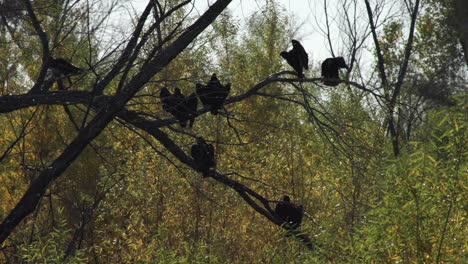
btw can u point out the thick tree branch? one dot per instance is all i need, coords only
(45, 46)
(9, 103)
(409, 46)
(245, 192)
(37, 189)
(123, 59)
(401, 76)
(380, 59)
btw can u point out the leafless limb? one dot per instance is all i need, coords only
(105, 115)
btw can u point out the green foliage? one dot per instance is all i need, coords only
(419, 212)
(363, 205)
(49, 248)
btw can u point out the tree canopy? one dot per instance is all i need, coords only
(97, 164)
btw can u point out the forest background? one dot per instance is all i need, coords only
(98, 172)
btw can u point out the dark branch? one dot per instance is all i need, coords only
(31, 198)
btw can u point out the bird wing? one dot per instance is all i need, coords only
(165, 97)
(293, 60)
(287, 55)
(177, 104)
(301, 53)
(191, 105)
(305, 60)
(65, 67)
(334, 68)
(227, 88)
(297, 214)
(203, 93)
(325, 68)
(195, 152)
(210, 149)
(164, 93)
(199, 89)
(192, 101)
(304, 57)
(281, 210)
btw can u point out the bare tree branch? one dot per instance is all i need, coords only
(45, 47)
(37, 189)
(380, 59)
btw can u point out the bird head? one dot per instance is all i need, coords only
(286, 199)
(295, 43)
(200, 141)
(284, 54)
(214, 77)
(340, 62)
(164, 92)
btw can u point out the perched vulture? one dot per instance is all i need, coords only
(213, 94)
(61, 68)
(170, 102)
(291, 213)
(183, 108)
(58, 70)
(187, 110)
(167, 100)
(203, 155)
(297, 58)
(330, 69)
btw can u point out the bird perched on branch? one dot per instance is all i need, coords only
(58, 69)
(62, 68)
(188, 110)
(203, 155)
(183, 108)
(167, 100)
(330, 68)
(297, 58)
(213, 94)
(291, 213)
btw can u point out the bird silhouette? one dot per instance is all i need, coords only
(187, 110)
(297, 58)
(203, 155)
(58, 69)
(61, 68)
(291, 213)
(330, 68)
(183, 108)
(167, 100)
(213, 94)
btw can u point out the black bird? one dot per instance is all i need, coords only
(213, 94)
(58, 70)
(291, 213)
(187, 110)
(183, 108)
(61, 68)
(170, 101)
(330, 69)
(166, 100)
(297, 58)
(203, 155)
